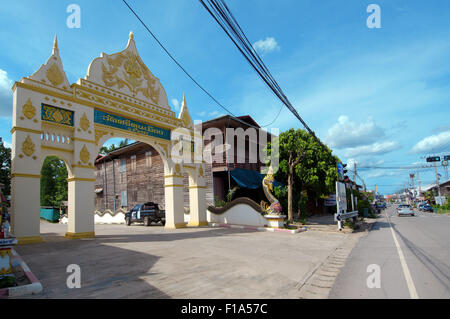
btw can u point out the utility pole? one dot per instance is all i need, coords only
(437, 179)
(418, 182)
(354, 172)
(445, 164)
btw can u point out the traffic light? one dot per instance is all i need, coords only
(434, 159)
(344, 166)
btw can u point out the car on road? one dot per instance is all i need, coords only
(404, 210)
(145, 213)
(427, 208)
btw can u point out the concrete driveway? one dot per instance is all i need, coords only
(151, 262)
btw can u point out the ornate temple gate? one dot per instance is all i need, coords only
(119, 97)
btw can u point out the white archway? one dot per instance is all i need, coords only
(119, 96)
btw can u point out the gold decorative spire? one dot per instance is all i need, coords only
(131, 35)
(55, 46)
(184, 113)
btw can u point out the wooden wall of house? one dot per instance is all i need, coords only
(142, 181)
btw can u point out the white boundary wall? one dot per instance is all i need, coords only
(241, 214)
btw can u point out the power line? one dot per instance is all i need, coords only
(223, 16)
(189, 75)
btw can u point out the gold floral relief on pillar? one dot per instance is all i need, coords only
(200, 171)
(29, 110)
(177, 168)
(54, 75)
(84, 122)
(28, 146)
(84, 154)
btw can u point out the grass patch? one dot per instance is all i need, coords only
(443, 211)
(7, 281)
(350, 224)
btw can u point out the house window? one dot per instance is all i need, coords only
(133, 163)
(123, 165)
(123, 199)
(148, 159)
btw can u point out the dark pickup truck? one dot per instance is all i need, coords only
(145, 213)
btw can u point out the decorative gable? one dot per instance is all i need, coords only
(125, 72)
(52, 72)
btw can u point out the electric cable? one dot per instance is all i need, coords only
(189, 75)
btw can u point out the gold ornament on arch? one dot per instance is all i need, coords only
(54, 75)
(84, 122)
(134, 73)
(29, 110)
(28, 146)
(84, 154)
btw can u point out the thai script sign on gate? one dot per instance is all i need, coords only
(130, 125)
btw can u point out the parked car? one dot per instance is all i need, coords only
(427, 208)
(145, 213)
(381, 205)
(405, 209)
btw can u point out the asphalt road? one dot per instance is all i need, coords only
(413, 255)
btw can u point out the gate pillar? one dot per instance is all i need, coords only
(25, 175)
(173, 192)
(197, 203)
(81, 208)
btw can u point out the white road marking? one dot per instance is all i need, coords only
(409, 281)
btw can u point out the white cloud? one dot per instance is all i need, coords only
(380, 173)
(7, 144)
(377, 148)
(202, 113)
(5, 94)
(176, 104)
(363, 163)
(266, 46)
(346, 133)
(434, 143)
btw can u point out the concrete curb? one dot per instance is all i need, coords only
(273, 230)
(33, 288)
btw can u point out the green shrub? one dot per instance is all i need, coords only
(219, 202)
(7, 281)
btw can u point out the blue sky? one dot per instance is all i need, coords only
(380, 97)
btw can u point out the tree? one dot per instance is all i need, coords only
(5, 170)
(105, 149)
(53, 182)
(305, 165)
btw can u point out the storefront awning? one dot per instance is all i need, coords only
(249, 179)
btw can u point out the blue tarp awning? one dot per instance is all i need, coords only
(249, 179)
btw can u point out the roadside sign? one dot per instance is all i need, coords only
(330, 201)
(445, 163)
(341, 197)
(343, 216)
(433, 159)
(440, 200)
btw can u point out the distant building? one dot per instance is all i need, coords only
(444, 188)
